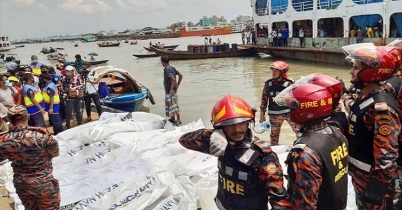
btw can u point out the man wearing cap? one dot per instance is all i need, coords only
(31, 150)
(35, 65)
(73, 84)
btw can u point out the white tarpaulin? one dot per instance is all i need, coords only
(133, 162)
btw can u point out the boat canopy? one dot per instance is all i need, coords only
(369, 20)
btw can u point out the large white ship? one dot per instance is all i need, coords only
(328, 23)
(5, 44)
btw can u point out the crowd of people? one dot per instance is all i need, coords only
(338, 131)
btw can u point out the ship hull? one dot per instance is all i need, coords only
(207, 32)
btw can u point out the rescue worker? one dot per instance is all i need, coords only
(277, 114)
(52, 103)
(31, 150)
(318, 160)
(35, 65)
(374, 127)
(249, 171)
(33, 101)
(338, 117)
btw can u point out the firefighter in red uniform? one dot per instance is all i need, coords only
(249, 171)
(31, 149)
(318, 160)
(394, 86)
(338, 117)
(277, 114)
(374, 127)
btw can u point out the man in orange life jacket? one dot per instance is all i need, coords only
(374, 127)
(33, 100)
(277, 114)
(35, 65)
(318, 161)
(249, 171)
(338, 118)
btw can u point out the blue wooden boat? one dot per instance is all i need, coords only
(124, 93)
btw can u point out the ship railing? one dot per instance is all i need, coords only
(262, 11)
(303, 6)
(366, 1)
(279, 9)
(326, 4)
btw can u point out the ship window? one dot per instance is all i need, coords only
(330, 27)
(306, 25)
(302, 5)
(262, 30)
(261, 7)
(363, 21)
(367, 1)
(278, 6)
(396, 25)
(328, 4)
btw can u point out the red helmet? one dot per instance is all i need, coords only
(333, 85)
(231, 110)
(395, 52)
(281, 66)
(306, 102)
(379, 61)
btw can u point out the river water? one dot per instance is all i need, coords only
(204, 82)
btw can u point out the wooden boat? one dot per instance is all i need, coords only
(166, 47)
(149, 49)
(76, 45)
(109, 44)
(133, 43)
(18, 46)
(57, 56)
(98, 62)
(148, 55)
(184, 55)
(124, 92)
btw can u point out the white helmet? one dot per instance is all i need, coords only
(70, 68)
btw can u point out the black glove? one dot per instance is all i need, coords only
(345, 90)
(375, 192)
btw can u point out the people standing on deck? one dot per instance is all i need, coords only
(279, 38)
(318, 161)
(301, 37)
(369, 32)
(277, 114)
(51, 99)
(33, 101)
(249, 171)
(206, 41)
(210, 40)
(359, 37)
(253, 37)
(73, 86)
(35, 65)
(171, 86)
(274, 35)
(31, 150)
(285, 36)
(91, 94)
(248, 36)
(243, 36)
(374, 127)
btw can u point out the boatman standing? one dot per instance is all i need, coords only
(318, 160)
(374, 127)
(249, 171)
(277, 114)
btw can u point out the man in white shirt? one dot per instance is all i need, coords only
(7, 91)
(91, 92)
(301, 37)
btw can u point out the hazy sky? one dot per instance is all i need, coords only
(37, 18)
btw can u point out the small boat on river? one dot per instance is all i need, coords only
(147, 55)
(98, 62)
(109, 44)
(124, 93)
(199, 52)
(166, 47)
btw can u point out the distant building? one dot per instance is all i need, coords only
(242, 18)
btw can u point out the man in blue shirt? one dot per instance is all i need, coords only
(79, 63)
